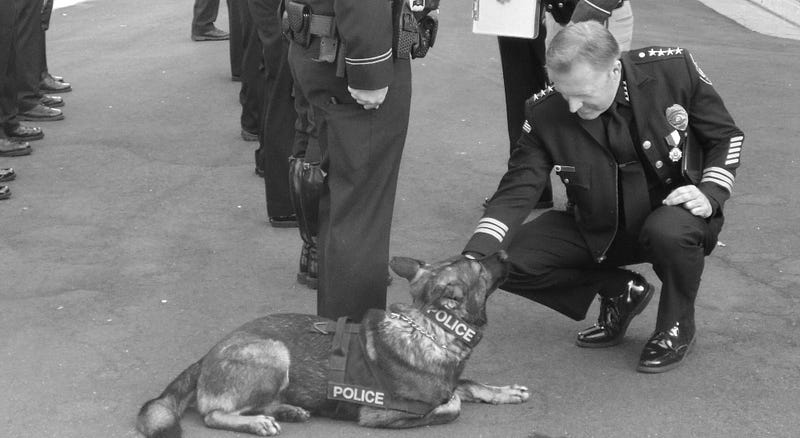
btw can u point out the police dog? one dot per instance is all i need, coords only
(278, 367)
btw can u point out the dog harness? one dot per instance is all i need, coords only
(354, 379)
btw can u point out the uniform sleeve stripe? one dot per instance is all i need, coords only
(735, 144)
(733, 161)
(372, 60)
(597, 7)
(738, 138)
(721, 183)
(719, 172)
(492, 228)
(489, 232)
(734, 149)
(734, 155)
(495, 222)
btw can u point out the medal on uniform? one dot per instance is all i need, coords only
(675, 155)
(678, 118)
(674, 139)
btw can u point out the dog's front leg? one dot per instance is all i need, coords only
(470, 391)
(445, 413)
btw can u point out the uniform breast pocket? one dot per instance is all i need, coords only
(574, 177)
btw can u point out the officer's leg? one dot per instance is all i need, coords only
(29, 44)
(8, 93)
(522, 61)
(551, 264)
(236, 10)
(676, 242)
(205, 14)
(253, 80)
(362, 151)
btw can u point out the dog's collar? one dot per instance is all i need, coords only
(463, 331)
(418, 328)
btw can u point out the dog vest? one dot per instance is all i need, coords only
(353, 379)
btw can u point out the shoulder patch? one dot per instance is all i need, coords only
(700, 72)
(655, 53)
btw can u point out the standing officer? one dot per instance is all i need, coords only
(522, 59)
(359, 91)
(648, 153)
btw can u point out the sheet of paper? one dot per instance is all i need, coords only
(515, 18)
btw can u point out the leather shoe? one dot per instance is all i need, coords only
(5, 192)
(10, 148)
(25, 133)
(666, 349)
(52, 101)
(50, 85)
(283, 221)
(41, 113)
(211, 35)
(616, 314)
(7, 174)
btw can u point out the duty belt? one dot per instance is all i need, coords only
(299, 24)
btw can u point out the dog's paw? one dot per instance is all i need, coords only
(292, 414)
(511, 394)
(263, 425)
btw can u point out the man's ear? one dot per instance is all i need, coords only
(406, 267)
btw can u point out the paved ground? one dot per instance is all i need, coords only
(137, 236)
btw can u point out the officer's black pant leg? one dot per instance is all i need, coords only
(236, 9)
(277, 132)
(28, 56)
(676, 243)
(551, 264)
(361, 153)
(522, 61)
(252, 95)
(8, 92)
(205, 14)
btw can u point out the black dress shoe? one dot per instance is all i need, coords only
(211, 35)
(283, 221)
(5, 192)
(7, 174)
(666, 349)
(52, 101)
(50, 85)
(25, 133)
(616, 314)
(41, 113)
(10, 148)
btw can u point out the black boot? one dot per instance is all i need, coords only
(306, 182)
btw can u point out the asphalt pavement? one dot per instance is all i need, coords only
(137, 236)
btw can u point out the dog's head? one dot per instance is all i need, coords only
(458, 284)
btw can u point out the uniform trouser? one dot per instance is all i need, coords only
(238, 35)
(522, 61)
(28, 56)
(361, 152)
(253, 78)
(276, 136)
(551, 263)
(8, 91)
(47, 13)
(204, 15)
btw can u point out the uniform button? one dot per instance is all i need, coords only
(601, 259)
(641, 54)
(668, 181)
(566, 180)
(646, 144)
(659, 164)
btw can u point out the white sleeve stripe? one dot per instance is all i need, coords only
(372, 60)
(494, 222)
(733, 161)
(489, 232)
(736, 149)
(724, 184)
(597, 7)
(734, 155)
(492, 227)
(719, 171)
(738, 138)
(736, 143)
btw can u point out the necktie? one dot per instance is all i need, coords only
(635, 198)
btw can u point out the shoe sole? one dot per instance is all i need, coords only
(651, 290)
(55, 105)
(8, 178)
(19, 153)
(44, 119)
(663, 369)
(27, 138)
(63, 90)
(205, 38)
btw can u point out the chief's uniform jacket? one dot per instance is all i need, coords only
(657, 78)
(361, 151)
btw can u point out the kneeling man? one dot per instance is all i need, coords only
(648, 154)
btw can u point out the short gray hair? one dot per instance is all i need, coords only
(587, 41)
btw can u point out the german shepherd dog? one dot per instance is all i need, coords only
(276, 368)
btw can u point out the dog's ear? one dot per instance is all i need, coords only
(406, 267)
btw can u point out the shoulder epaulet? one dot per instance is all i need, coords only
(648, 54)
(541, 95)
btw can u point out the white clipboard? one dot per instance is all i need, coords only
(514, 18)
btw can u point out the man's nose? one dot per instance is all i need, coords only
(574, 105)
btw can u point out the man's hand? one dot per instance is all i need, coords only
(369, 99)
(692, 199)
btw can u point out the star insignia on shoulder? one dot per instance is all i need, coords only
(658, 52)
(543, 93)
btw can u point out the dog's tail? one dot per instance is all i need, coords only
(161, 416)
